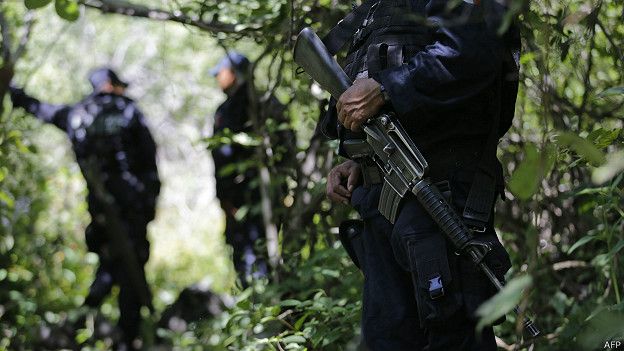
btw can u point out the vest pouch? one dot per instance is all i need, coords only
(435, 289)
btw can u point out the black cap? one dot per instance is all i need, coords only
(101, 75)
(232, 59)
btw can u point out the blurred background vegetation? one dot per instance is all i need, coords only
(563, 223)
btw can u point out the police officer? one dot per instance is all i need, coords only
(107, 130)
(452, 82)
(235, 186)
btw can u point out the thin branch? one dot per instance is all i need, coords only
(45, 55)
(278, 79)
(134, 10)
(586, 78)
(5, 45)
(609, 37)
(21, 48)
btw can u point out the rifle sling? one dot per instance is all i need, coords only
(482, 193)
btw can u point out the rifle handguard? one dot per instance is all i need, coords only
(442, 213)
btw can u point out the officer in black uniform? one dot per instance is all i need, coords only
(108, 129)
(452, 82)
(237, 188)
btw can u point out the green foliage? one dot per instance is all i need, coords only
(586, 149)
(35, 4)
(41, 273)
(530, 173)
(613, 167)
(67, 9)
(504, 302)
(612, 91)
(314, 308)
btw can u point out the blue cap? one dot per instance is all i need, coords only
(101, 75)
(234, 60)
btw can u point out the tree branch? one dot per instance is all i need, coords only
(21, 48)
(125, 8)
(5, 44)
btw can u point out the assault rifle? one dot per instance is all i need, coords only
(403, 167)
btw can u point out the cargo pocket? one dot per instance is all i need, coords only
(435, 289)
(350, 233)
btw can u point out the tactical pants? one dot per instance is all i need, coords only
(110, 271)
(398, 262)
(243, 236)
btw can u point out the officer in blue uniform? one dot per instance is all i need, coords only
(452, 82)
(235, 188)
(108, 129)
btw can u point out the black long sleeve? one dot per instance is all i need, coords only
(49, 113)
(462, 59)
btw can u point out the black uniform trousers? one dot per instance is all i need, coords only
(111, 271)
(398, 261)
(243, 236)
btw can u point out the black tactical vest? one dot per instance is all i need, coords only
(392, 32)
(99, 128)
(389, 36)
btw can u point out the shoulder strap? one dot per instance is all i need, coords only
(483, 189)
(489, 174)
(343, 32)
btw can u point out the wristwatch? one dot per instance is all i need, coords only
(385, 94)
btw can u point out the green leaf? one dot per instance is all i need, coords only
(299, 323)
(527, 57)
(294, 339)
(242, 212)
(525, 180)
(576, 17)
(36, 4)
(605, 325)
(6, 198)
(603, 137)
(246, 139)
(67, 9)
(615, 250)
(584, 240)
(613, 167)
(582, 147)
(290, 303)
(503, 302)
(83, 335)
(611, 92)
